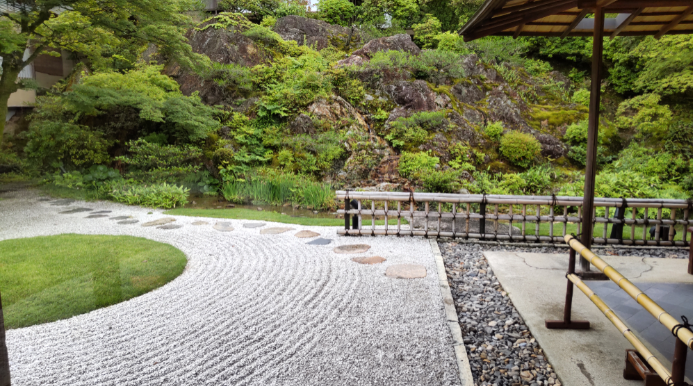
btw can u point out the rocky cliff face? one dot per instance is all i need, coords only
(468, 104)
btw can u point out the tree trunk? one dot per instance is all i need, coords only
(4, 358)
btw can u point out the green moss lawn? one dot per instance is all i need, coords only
(43, 279)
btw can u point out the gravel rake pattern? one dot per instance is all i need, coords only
(248, 310)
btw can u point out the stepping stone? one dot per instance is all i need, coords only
(64, 202)
(406, 271)
(254, 225)
(102, 211)
(120, 218)
(200, 223)
(97, 216)
(306, 234)
(128, 222)
(76, 210)
(320, 241)
(44, 199)
(369, 260)
(161, 221)
(354, 248)
(169, 226)
(223, 226)
(275, 231)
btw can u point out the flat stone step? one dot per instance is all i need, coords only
(275, 231)
(406, 271)
(161, 221)
(306, 234)
(353, 248)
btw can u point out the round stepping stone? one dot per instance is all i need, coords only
(275, 231)
(320, 241)
(254, 225)
(200, 223)
(406, 271)
(120, 218)
(76, 210)
(354, 248)
(369, 260)
(128, 222)
(101, 211)
(223, 226)
(44, 199)
(306, 234)
(97, 216)
(161, 221)
(170, 226)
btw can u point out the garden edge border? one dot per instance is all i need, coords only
(465, 370)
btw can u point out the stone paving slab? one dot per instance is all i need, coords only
(249, 309)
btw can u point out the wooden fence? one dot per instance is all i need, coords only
(516, 218)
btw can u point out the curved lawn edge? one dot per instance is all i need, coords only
(50, 278)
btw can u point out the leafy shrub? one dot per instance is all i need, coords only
(436, 66)
(460, 158)
(494, 131)
(519, 148)
(410, 132)
(258, 7)
(234, 79)
(537, 67)
(645, 115)
(411, 165)
(160, 195)
(576, 136)
(337, 11)
(268, 21)
(291, 7)
(425, 33)
(581, 97)
(350, 89)
(156, 163)
(98, 175)
(443, 181)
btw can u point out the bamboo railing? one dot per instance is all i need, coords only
(682, 331)
(515, 218)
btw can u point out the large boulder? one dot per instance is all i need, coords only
(400, 42)
(502, 108)
(311, 32)
(551, 146)
(467, 92)
(338, 112)
(473, 67)
(412, 95)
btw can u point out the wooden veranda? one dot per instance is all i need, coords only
(562, 18)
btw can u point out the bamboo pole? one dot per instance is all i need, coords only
(627, 333)
(650, 305)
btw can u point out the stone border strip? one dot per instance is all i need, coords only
(451, 318)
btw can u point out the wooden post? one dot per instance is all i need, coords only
(568, 323)
(592, 134)
(678, 364)
(690, 253)
(5, 379)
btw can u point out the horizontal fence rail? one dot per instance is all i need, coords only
(516, 218)
(681, 330)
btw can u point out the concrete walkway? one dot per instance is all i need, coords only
(251, 308)
(536, 284)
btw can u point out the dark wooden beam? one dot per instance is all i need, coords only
(626, 23)
(522, 18)
(523, 7)
(632, 4)
(589, 33)
(592, 133)
(502, 16)
(674, 22)
(519, 28)
(575, 22)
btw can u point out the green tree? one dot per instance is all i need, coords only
(425, 32)
(98, 32)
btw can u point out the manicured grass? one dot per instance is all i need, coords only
(44, 279)
(72, 193)
(572, 229)
(249, 214)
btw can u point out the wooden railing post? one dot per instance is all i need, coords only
(5, 379)
(567, 323)
(690, 252)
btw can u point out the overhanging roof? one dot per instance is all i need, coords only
(567, 18)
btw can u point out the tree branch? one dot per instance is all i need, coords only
(33, 56)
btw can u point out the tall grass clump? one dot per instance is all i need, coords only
(274, 188)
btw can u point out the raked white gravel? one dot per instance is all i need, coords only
(249, 309)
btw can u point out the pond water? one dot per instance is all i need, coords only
(216, 202)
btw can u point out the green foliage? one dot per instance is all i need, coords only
(494, 131)
(151, 162)
(339, 12)
(444, 181)
(402, 12)
(258, 7)
(410, 132)
(665, 65)
(352, 90)
(54, 144)
(157, 195)
(581, 97)
(519, 148)
(437, 66)
(576, 136)
(413, 165)
(576, 49)
(272, 187)
(97, 175)
(268, 21)
(291, 7)
(645, 115)
(425, 33)
(460, 157)
(226, 20)
(311, 154)
(537, 67)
